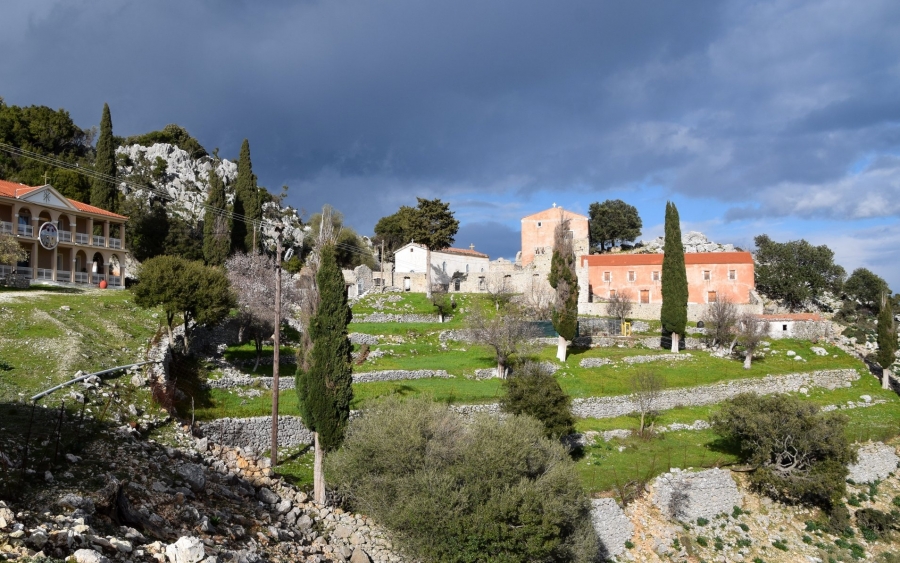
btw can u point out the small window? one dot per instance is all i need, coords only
(656, 275)
(707, 275)
(784, 328)
(631, 276)
(711, 297)
(467, 268)
(444, 267)
(612, 293)
(607, 276)
(732, 274)
(456, 284)
(480, 282)
(539, 224)
(410, 249)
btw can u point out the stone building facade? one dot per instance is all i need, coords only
(538, 232)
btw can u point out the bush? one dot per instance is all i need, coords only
(532, 390)
(876, 522)
(800, 454)
(491, 489)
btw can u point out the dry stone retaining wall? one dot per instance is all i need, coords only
(687, 496)
(612, 526)
(875, 462)
(256, 433)
(394, 318)
(608, 407)
(287, 382)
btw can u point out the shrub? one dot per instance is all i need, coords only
(779, 544)
(800, 454)
(838, 520)
(532, 390)
(877, 523)
(490, 489)
(702, 521)
(702, 541)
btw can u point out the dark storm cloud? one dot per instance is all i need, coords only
(366, 105)
(492, 238)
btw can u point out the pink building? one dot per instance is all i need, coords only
(538, 229)
(710, 275)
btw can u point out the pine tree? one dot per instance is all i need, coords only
(216, 224)
(887, 340)
(562, 278)
(325, 388)
(104, 193)
(247, 204)
(434, 226)
(674, 279)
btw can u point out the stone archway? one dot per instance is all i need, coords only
(98, 271)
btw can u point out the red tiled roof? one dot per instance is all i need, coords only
(792, 317)
(91, 209)
(553, 213)
(690, 258)
(14, 190)
(464, 252)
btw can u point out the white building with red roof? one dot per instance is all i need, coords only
(65, 240)
(450, 266)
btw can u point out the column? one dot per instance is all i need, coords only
(73, 227)
(53, 260)
(35, 225)
(15, 218)
(72, 273)
(34, 260)
(106, 234)
(122, 238)
(90, 230)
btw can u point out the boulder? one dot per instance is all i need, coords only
(89, 556)
(267, 496)
(611, 525)
(359, 556)
(874, 463)
(686, 495)
(187, 549)
(193, 475)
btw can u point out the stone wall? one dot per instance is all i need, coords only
(15, 281)
(287, 381)
(255, 433)
(651, 311)
(612, 526)
(392, 318)
(608, 407)
(687, 496)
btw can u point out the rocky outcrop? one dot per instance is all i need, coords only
(693, 241)
(612, 526)
(874, 463)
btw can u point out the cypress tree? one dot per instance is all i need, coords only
(104, 194)
(245, 202)
(887, 340)
(325, 388)
(216, 225)
(674, 279)
(562, 278)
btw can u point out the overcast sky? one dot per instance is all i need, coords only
(777, 117)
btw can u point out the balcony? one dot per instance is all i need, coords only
(26, 230)
(115, 281)
(96, 278)
(115, 243)
(25, 271)
(81, 277)
(6, 227)
(99, 240)
(65, 236)
(45, 274)
(81, 238)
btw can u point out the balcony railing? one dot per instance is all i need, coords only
(6, 227)
(26, 230)
(115, 243)
(96, 278)
(81, 238)
(44, 274)
(25, 271)
(81, 277)
(65, 236)
(5, 270)
(99, 240)
(115, 281)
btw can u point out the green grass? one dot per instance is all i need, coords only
(603, 467)
(46, 345)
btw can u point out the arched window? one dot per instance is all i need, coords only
(467, 268)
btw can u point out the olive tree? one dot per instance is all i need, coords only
(720, 320)
(751, 332)
(508, 334)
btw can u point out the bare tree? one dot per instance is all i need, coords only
(751, 332)
(646, 388)
(620, 305)
(253, 278)
(721, 321)
(509, 334)
(499, 288)
(538, 299)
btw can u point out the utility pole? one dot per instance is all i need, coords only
(277, 355)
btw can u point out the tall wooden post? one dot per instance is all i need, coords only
(277, 355)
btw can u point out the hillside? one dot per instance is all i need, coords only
(104, 454)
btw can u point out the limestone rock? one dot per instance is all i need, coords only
(267, 496)
(687, 496)
(359, 556)
(89, 556)
(874, 462)
(193, 475)
(187, 549)
(612, 526)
